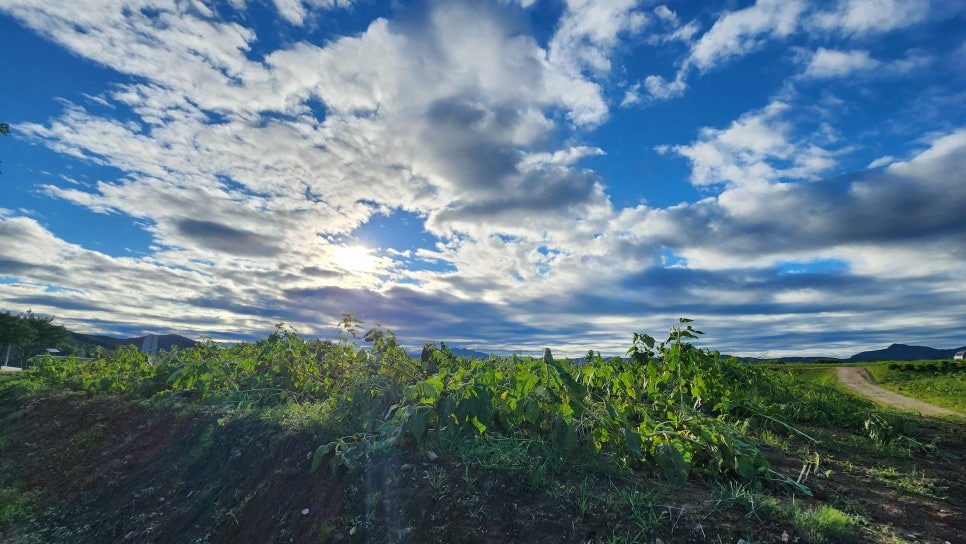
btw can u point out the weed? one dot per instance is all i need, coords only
(914, 482)
(583, 498)
(643, 508)
(438, 480)
(770, 438)
(16, 506)
(743, 496)
(824, 524)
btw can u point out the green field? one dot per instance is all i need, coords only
(937, 382)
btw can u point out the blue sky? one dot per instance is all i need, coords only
(501, 175)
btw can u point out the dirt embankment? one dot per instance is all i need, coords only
(859, 379)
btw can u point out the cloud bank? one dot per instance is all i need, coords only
(253, 167)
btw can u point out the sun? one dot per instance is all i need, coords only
(354, 259)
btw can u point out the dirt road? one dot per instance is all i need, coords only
(859, 380)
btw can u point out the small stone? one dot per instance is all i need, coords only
(742, 541)
(352, 531)
(658, 541)
(305, 511)
(431, 455)
(785, 537)
(407, 467)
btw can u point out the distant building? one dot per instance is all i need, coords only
(960, 355)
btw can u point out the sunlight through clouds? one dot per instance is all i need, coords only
(512, 174)
(354, 259)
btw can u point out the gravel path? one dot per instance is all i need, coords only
(859, 379)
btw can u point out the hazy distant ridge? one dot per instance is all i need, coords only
(165, 341)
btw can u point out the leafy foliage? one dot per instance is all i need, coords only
(25, 335)
(668, 406)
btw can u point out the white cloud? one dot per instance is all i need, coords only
(940, 165)
(760, 224)
(588, 32)
(291, 10)
(444, 116)
(295, 11)
(755, 149)
(661, 89)
(733, 34)
(881, 161)
(830, 63)
(564, 157)
(871, 16)
(683, 33)
(738, 32)
(666, 14)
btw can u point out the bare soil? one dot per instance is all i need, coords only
(113, 470)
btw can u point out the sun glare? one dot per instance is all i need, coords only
(355, 259)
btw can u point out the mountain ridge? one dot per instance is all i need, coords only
(903, 352)
(165, 341)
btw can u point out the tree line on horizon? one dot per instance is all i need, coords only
(27, 334)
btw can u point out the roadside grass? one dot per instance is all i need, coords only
(841, 421)
(937, 382)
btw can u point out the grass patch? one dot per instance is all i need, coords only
(816, 376)
(16, 506)
(754, 503)
(825, 524)
(945, 386)
(914, 482)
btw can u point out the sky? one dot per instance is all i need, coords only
(505, 176)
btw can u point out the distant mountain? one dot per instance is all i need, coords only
(469, 353)
(902, 352)
(165, 341)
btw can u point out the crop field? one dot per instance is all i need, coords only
(292, 440)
